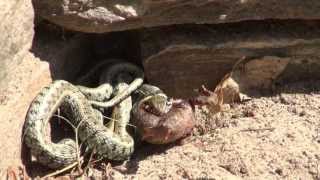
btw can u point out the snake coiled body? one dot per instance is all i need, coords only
(111, 141)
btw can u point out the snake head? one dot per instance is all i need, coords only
(158, 104)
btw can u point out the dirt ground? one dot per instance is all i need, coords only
(274, 136)
(271, 137)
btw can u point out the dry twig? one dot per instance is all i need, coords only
(79, 158)
(60, 171)
(258, 129)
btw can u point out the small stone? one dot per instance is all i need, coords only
(302, 113)
(279, 171)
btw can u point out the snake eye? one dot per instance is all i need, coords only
(169, 103)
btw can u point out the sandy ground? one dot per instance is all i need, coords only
(270, 137)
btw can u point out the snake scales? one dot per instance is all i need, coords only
(80, 103)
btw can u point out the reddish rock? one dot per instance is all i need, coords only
(105, 16)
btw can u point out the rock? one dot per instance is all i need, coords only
(15, 41)
(16, 35)
(66, 54)
(190, 56)
(33, 63)
(105, 16)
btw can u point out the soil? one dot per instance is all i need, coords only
(275, 136)
(270, 137)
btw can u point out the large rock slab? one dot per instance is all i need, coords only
(105, 16)
(16, 29)
(190, 56)
(35, 62)
(24, 82)
(16, 36)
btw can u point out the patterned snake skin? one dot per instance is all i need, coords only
(154, 97)
(111, 141)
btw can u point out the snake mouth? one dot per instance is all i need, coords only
(150, 109)
(157, 104)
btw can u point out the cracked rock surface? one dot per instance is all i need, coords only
(105, 16)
